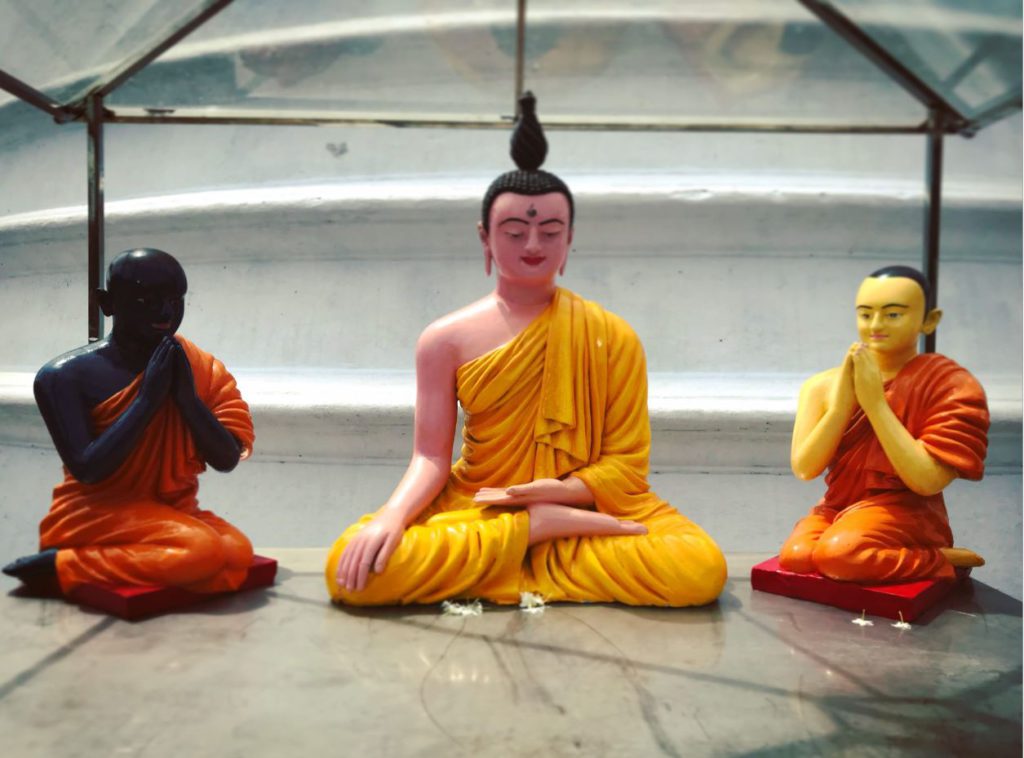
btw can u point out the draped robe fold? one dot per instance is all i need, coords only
(142, 525)
(567, 396)
(870, 527)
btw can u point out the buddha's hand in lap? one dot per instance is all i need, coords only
(565, 492)
(369, 550)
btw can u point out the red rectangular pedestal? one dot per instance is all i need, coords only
(887, 600)
(134, 602)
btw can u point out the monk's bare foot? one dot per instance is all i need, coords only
(549, 521)
(38, 572)
(961, 557)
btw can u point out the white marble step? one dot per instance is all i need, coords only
(699, 422)
(716, 274)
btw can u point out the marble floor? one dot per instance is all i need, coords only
(282, 672)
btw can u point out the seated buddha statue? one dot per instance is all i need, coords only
(550, 495)
(135, 418)
(894, 427)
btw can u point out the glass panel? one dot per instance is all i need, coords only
(61, 48)
(411, 56)
(970, 53)
(755, 60)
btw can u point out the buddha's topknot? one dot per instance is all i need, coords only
(529, 149)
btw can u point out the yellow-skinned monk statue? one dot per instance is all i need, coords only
(550, 495)
(894, 427)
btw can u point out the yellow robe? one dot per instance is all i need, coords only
(567, 396)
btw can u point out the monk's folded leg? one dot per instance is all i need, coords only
(238, 554)
(459, 554)
(796, 553)
(675, 564)
(141, 544)
(884, 543)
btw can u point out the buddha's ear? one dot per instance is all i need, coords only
(568, 249)
(106, 302)
(486, 242)
(931, 321)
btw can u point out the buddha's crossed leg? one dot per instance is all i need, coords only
(486, 554)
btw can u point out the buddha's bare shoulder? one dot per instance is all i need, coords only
(453, 334)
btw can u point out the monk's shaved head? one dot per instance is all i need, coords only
(893, 311)
(906, 272)
(145, 294)
(145, 268)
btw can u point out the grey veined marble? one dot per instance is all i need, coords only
(285, 673)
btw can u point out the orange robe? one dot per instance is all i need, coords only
(567, 396)
(142, 525)
(870, 527)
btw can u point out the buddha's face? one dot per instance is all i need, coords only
(529, 236)
(891, 314)
(147, 295)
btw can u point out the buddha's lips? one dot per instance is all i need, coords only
(878, 336)
(531, 260)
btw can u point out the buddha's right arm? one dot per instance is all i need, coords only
(371, 548)
(424, 479)
(818, 428)
(433, 430)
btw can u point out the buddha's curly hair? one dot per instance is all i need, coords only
(529, 148)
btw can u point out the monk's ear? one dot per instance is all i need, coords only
(106, 302)
(931, 321)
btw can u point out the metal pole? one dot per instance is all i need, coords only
(520, 53)
(933, 212)
(136, 115)
(94, 119)
(34, 97)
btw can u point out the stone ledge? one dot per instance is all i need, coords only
(720, 422)
(374, 220)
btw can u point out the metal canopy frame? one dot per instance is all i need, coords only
(88, 106)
